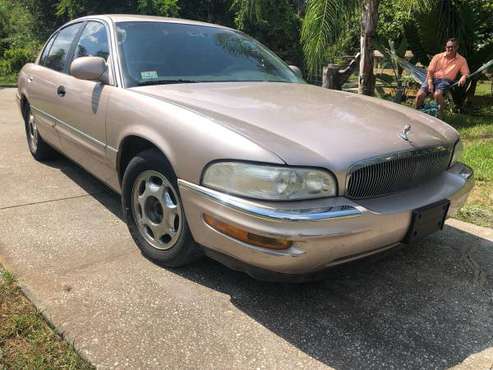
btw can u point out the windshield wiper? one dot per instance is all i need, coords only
(166, 82)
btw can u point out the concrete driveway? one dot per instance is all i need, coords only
(61, 233)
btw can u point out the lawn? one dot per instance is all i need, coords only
(476, 130)
(9, 80)
(26, 340)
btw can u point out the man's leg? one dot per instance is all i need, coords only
(438, 95)
(420, 98)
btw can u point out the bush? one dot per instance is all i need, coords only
(5, 68)
(14, 58)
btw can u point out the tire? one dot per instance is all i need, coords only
(40, 150)
(154, 212)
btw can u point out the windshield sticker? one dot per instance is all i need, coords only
(149, 75)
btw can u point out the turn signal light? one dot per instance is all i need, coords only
(245, 236)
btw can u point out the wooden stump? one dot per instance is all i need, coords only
(333, 77)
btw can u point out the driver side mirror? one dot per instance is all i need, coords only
(90, 68)
(296, 71)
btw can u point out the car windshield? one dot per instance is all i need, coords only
(155, 53)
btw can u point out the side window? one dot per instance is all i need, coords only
(58, 54)
(93, 42)
(46, 50)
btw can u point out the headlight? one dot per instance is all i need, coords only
(269, 182)
(458, 153)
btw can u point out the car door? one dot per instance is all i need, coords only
(43, 78)
(83, 105)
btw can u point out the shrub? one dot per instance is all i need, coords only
(14, 58)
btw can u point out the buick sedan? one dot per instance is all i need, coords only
(218, 147)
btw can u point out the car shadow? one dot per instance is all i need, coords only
(90, 184)
(428, 305)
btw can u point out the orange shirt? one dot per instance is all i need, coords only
(445, 68)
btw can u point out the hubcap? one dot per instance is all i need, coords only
(156, 210)
(33, 133)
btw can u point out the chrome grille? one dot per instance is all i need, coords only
(395, 172)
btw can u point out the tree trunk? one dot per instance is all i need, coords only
(368, 28)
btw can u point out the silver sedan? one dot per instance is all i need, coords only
(218, 147)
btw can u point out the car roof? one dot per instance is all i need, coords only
(146, 18)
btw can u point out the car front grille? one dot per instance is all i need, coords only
(395, 172)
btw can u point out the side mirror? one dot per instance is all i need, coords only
(296, 71)
(90, 68)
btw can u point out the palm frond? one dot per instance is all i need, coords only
(324, 20)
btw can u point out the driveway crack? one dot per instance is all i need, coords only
(51, 200)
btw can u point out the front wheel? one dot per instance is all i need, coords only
(154, 211)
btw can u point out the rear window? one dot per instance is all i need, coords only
(46, 50)
(58, 53)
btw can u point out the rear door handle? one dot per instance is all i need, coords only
(60, 91)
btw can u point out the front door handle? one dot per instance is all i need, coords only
(60, 91)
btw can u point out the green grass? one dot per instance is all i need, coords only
(26, 340)
(476, 130)
(479, 155)
(9, 80)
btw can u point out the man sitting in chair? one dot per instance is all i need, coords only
(442, 72)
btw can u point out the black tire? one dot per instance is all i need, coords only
(40, 149)
(183, 250)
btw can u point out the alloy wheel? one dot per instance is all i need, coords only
(156, 210)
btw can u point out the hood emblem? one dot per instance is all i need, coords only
(404, 133)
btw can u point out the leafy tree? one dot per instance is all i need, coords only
(168, 8)
(392, 18)
(213, 11)
(18, 45)
(44, 19)
(77, 8)
(272, 22)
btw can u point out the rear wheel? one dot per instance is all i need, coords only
(154, 211)
(39, 149)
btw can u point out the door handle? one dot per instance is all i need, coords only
(30, 78)
(60, 91)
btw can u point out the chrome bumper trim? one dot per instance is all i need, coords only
(271, 213)
(462, 170)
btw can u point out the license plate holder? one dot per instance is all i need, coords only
(427, 220)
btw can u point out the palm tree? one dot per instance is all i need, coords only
(324, 22)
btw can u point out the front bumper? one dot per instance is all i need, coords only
(324, 232)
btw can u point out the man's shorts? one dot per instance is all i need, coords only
(438, 84)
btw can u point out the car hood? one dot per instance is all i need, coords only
(305, 124)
